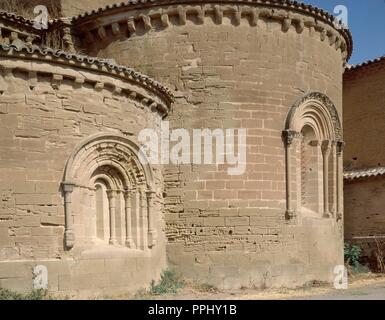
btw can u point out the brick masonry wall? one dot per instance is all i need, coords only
(231, 231)
(364, 100)
(40, 126)
(364, 207)
(365, 215)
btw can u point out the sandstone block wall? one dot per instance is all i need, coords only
(231, 230)
(46, 111)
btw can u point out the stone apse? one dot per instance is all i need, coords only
(75, 196)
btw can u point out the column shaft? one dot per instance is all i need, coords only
(129, 241)
(326, 146)
(112, 208)
(69, 237)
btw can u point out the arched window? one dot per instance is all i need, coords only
(109, 194)
(313, 145)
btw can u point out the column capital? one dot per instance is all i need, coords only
(128, 194)
(111, 193)
(289, 136)
(142, 190)
(290, 215)
(326, 146)
(68, 186)
(340, 146)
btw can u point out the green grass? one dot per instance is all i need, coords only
(359, 293)
(6, 294)
(205, 288)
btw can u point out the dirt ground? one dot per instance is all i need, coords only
(359, 285)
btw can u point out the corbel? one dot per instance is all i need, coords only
(182, 15)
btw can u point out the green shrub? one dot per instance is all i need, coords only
(169, 282)
(352, 254)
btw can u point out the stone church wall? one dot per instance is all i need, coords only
(230, 71)
(47, 110)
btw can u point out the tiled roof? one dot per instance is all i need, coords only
(366, 64)
(15, 18)
(88, 62)
(364, 173)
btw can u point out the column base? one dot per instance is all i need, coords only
(130, 244)
(152, 235)
(290, 215)
(69, 237)
(112, 241)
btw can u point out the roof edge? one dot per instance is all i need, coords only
(364, 173)
(91, 63)
(365, 65)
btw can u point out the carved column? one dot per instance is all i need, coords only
(127, 200)
(151, 230)
(111, 194)
(288, 136)
(136, 213)
(334, 177)
(143, 218)
(340, 148)
(326, 148)
(69, 236)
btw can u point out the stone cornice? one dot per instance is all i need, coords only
(151, 95)
(125, 15)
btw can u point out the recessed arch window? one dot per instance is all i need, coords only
(109, 195)
(313, 146)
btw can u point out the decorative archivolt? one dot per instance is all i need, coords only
(114, 161)
(318, 111)
(114, 151)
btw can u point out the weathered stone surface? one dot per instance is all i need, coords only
(232, 76)
(70, 172)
